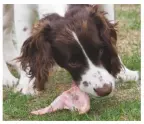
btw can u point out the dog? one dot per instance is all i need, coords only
(79, 38)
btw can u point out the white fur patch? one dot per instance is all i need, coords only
(8, 78)
(51, 8)
(127, 74)
(95, 76)
(26, 86)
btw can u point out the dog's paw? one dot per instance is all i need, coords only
(26, 87)
(129, 76)
(10, 81)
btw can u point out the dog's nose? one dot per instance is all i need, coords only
(104, 91)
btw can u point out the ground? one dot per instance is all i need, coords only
(124, 104)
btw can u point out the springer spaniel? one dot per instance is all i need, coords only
(79, 38)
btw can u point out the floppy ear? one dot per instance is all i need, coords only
(36, 55)
(107, 29)
(108, 35)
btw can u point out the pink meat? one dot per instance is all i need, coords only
(72, 99)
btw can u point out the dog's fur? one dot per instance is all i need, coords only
(53, 41)
(83, 42)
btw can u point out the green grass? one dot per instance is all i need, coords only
(124, 104)
(18, 108)
(133, 21)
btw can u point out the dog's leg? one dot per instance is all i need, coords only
(24, 19)
(127, 74)
(109, 8)
(51, 8)
(9, 50)
(8, 78)
(26, 86)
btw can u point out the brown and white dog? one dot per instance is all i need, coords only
(79, 38)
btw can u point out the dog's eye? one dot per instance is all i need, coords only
(100, 52)
(74, 64)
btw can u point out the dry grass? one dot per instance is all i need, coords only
(128, 34)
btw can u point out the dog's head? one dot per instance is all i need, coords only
(82, 42)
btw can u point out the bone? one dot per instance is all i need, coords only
(72, 99)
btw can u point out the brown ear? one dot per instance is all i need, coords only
(107, 29)
(36, 55)
(108, 35)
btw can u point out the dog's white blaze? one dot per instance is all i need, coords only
(88, 60)
(96, 76)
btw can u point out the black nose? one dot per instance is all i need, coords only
(104, 91)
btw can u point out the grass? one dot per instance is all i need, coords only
(124, 104)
